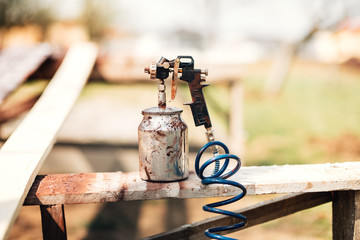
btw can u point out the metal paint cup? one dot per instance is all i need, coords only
(163, 145)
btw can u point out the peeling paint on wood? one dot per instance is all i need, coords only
(118, 186)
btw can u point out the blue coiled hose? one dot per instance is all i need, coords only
(219, 177)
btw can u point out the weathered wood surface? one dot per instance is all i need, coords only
(256, 214)
(17, 64)
(53, 222)
(22, 155)
(346, 215)
(117, 186)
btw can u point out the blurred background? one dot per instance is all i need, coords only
(284, 86)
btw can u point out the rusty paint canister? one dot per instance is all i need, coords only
(163, 145)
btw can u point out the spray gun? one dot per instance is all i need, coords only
(167, 168)
(163, 144)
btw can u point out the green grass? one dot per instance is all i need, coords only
(313, 107)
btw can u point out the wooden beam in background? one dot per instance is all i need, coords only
(13, 111)
(256, 214)
(17, 64)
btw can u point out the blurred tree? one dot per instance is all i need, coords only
(96, 16)
(23, 12)
(322, 16)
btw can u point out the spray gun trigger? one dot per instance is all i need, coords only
(175, 78)
(204, 84)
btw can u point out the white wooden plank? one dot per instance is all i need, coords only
(117, 186)
(22, 155)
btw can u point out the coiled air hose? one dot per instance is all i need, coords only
(219, 177)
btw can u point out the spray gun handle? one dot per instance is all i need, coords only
(195, 80)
